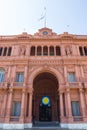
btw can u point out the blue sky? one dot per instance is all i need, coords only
(17, 16)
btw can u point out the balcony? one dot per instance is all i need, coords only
(73, 84)
(18, 84)
(4, 85)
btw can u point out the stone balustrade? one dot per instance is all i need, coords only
(12, 84)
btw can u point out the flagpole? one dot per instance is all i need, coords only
(45, 17)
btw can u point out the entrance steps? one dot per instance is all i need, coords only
(54, 125)
(46, 123)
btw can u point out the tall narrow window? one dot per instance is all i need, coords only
(5, 51)
(85, 50)
(58, 51)
(9, 51)
(45, 50)
(32, 52)
(1, 51)
(81, 51)
(75, 108)
(39, 50)
(51, 51)
(16, 108)
(71, 77)
(2, 73)
(20, 77)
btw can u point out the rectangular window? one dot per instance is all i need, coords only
(20, 77)
(16, 108)
(1, 75)
(71, 77)
(75, 108)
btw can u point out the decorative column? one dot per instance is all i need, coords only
(77, 73)
(65, 73)
(83, 51)
(48, 51)
(42, 50)
(83, 105)
(86, 99)
(25, 75)
(61, 105)
(63, 53)
(9, 105)
(30, 106)
(69, 105)
(35, 50)
(13, 73)
(22, 106)
(9, 73)
(54, 50)
(28, 50)
(82, 73)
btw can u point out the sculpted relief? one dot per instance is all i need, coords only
(68, 51)
(85, 70)
(23, 51)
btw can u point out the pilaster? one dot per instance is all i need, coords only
(9, 105)
(61, 106)
(30, 106)
(4, 105)
(70, 118)
(22, 106)
(83, 105)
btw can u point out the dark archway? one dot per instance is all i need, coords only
(45, 89)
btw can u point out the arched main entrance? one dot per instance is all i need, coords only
(45, 98)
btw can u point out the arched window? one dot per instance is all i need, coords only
(32, 52)
(45, 50)
(39, 51)
(85, 50)
(81, 51)
(1, 51)
(5, 51)
(58, 51)
(2, 73)
(9, 51)
(51, 50)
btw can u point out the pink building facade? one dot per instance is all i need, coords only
(43, 78)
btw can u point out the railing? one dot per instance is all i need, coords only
(76, 84)
(77, 118)
(19, 84)
(85, 84)
(12, 84)
(3, 84)
(73, 84)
